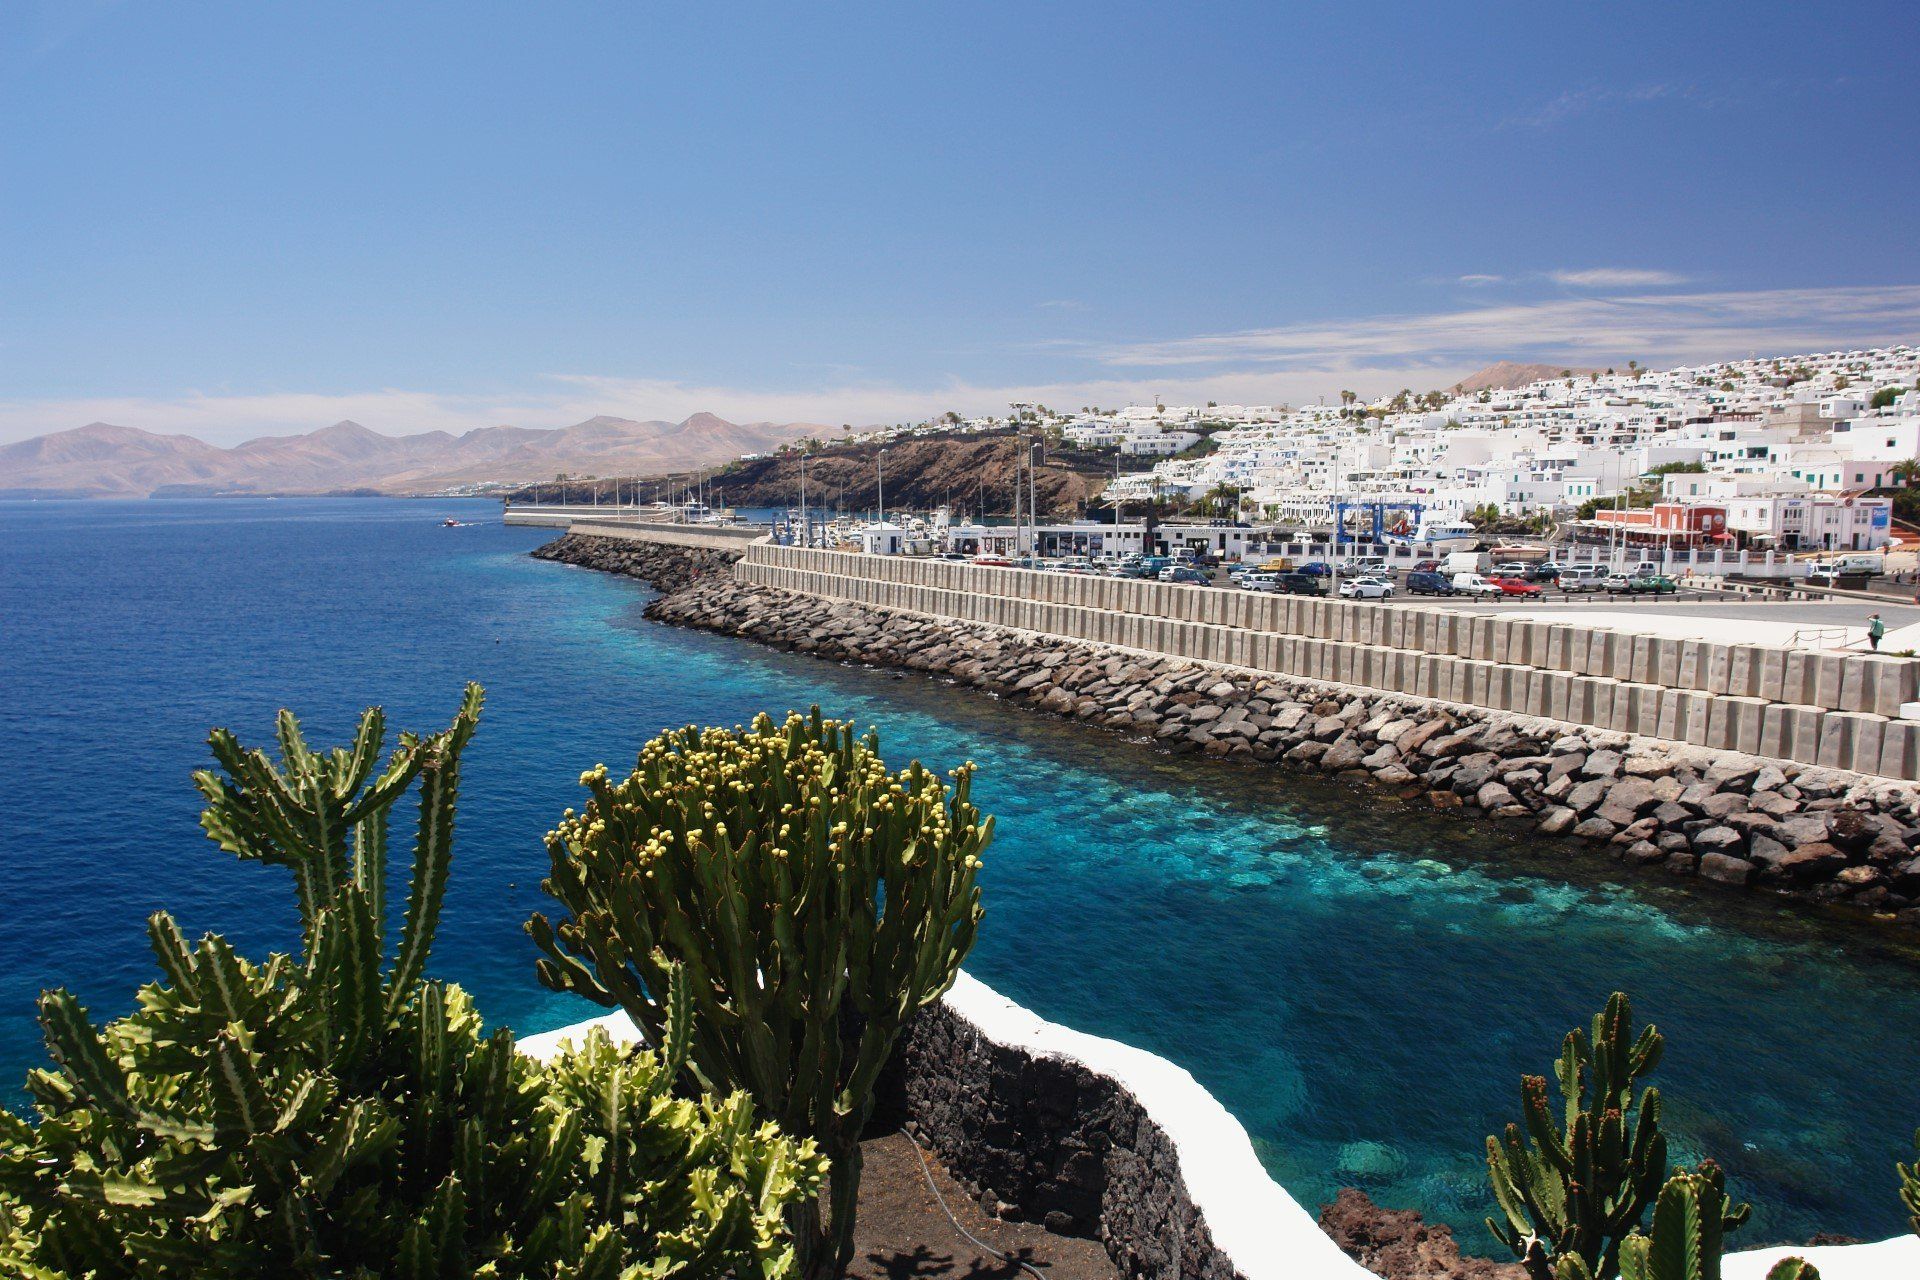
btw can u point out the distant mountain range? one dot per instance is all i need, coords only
(101, 460)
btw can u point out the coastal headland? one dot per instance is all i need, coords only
(1726, 819)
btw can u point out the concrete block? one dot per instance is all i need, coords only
(1687, 673)
(1699, 713)
(1556, 656)
(1827, 674)
(1869, 738)
(1672, 723)
(1559, 695)
(1833, 747)
(1641, 664)
(1460, 680)
(1803, 733)
(1585, 696)
(1900, 749)
(1732, 669)
(1769, 678)
(1480, 638)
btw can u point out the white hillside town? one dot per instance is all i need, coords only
(1762, 454)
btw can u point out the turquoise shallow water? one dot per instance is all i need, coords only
(1338, 969)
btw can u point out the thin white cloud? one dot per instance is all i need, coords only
(1616, 278)
(1655, 328)
(1578, 102)
(1478, 278)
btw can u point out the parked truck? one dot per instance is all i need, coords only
(1458, 562)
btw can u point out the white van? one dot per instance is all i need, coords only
(1867, 564)
(1472, 584)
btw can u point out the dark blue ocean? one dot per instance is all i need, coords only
(1361, 983)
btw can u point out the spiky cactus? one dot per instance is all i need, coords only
(1577, 1185)
(1910, 1188)
(336, 1115)
(816, 901)
(1690, 1222)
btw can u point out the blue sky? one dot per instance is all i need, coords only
(235, 219)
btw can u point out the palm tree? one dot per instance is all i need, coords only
(1905, 471)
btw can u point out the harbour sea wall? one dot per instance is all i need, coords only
(1839, 711)
(1096, 1138)
(1658, 807)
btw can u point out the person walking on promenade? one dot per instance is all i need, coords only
(1875, 629)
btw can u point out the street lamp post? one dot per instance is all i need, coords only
(880, 475)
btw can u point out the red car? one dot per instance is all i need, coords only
(1515, 586)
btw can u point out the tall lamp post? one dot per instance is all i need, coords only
(880, 478)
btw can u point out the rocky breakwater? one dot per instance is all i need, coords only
(669, 568)
(1660, 808)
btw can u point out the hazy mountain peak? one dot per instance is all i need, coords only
(103, 459)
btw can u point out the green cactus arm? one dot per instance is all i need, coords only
(1910, 1188)
(1635, 1258)
(176, 960)
(1793, 1269)
(433, 849)
(241, 1107)
(80, 1052)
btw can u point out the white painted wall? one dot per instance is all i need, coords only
(1266, 1233)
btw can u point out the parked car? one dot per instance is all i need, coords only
(1303, 584)
(1144, 567)
(1368, 588)
(1618, 582)
(1425, 566)
(1425, 582)
(1546, 571)
(1472, 584)
(1317, 568)
(1511, 586)
(1371, 567)
(1182, 573)
(1652, 584)
(1260, 580)
(1582, 577)
(1511, 569)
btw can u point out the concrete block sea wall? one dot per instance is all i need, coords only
(1705, 813)
(1839, 711)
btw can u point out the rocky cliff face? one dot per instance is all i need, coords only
(967, 473)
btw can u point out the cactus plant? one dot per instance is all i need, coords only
(1910, 1188)
(816, 901)
(1578, 1187)
(1690, 1221)
(335, 1114)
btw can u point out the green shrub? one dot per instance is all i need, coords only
(815, 900)
(335, 1114)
